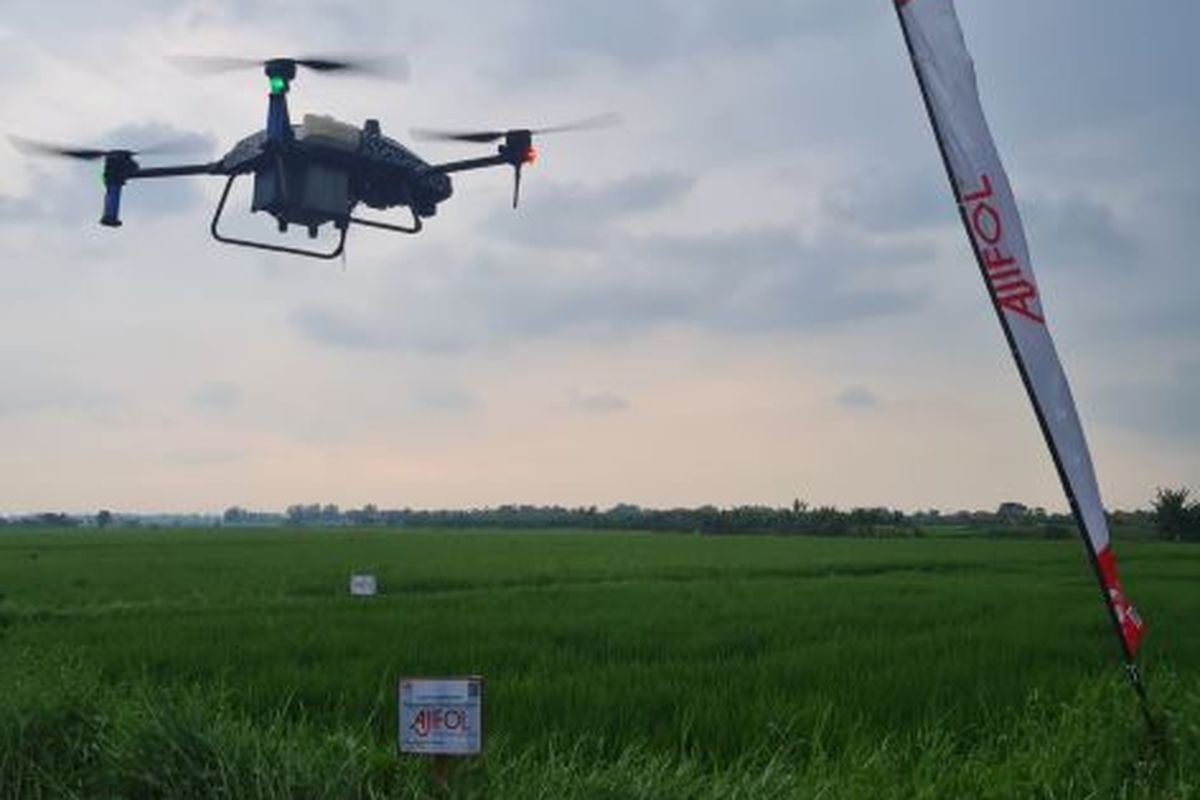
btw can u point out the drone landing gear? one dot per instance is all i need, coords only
(414, 228)
(342, 226)
(275, 248)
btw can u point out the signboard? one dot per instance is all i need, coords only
(363, 586)
(441, 716)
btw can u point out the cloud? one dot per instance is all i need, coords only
(1078, 232)
(172, 141)
(204, 458)
(857, 398)
(1165, 408)
(26, 394)
(337, 327)
(743, 282)
(216, 396)
(766, 22)
(406, 328)
(768, 279)
(579, 215)
(18, 208)
(632, 32)
(636, 34)
(597, 402)
(445, 399)
(892, 204)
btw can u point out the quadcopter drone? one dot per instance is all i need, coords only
(317, 172)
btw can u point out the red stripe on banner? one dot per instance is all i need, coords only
(1131, 624)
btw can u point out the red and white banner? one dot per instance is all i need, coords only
(947, 79)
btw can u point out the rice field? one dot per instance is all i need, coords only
(233, 663)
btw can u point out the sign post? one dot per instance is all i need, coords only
(441, 718)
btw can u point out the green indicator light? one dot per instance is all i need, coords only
(278, 85)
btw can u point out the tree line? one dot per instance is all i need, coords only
(1172, 516)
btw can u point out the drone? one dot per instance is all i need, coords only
(318, 171)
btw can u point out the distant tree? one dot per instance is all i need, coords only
(104, 518)
(1174, 516)
(367, 515)
(56, 520)
(1012, 512)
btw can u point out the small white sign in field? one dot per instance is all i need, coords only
(441, 716)
(363, 585)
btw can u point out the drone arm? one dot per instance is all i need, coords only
(118, 170)
(213, 168)
(472, 163)
(509, 156)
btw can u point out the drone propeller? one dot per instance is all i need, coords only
(517, 148)
(36, 148)
(486, 137)
(119, 165)
(395, 67)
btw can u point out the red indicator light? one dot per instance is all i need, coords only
(530, 156)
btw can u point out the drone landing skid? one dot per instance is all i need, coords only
(343, 227)
(276, 248)
(387, 226)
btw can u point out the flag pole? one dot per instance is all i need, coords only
(1127, 654)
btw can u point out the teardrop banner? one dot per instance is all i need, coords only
(946, 76)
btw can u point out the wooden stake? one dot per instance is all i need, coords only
(441, 774)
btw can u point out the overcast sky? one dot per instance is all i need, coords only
(754, 290)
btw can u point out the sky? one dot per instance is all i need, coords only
(754, 290)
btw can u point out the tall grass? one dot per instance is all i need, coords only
(234, 665)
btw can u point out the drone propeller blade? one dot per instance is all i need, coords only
(392, 67)
(207, 65)
(31, 147)
(475, 137)
(486, 137)
(586, 124)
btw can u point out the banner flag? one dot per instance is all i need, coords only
(946, 76)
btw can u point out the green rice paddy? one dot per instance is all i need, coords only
(144, 664)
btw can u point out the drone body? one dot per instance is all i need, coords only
(318, 172)
(322, 171)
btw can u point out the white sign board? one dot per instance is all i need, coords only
(441, 716)
(363, 586)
